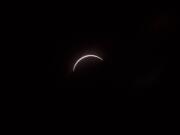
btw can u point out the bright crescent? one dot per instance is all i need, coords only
(84, 57)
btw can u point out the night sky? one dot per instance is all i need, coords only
(136, 45)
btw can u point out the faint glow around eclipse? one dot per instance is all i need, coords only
(84, 57)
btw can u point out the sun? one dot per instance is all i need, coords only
(85, 57)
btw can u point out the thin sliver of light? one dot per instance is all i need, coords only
(84, 57)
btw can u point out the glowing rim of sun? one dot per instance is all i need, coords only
(84, 57)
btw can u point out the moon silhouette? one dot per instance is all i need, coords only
(85, 57)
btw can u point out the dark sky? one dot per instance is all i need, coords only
(136, 45)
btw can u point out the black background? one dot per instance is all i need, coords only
(138, 45)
